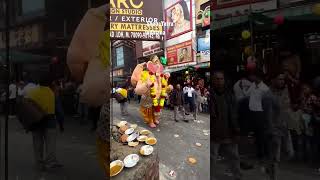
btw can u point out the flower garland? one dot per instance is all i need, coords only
(158, 105)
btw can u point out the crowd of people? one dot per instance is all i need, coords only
(282, 113)
(189, 99)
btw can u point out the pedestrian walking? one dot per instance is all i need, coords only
(308, 103)
(20, 91)
(58, 105)
(12, 99)
(82, 108)
(275, 103)
(191, 98)
(256, 91)
(225, 125)
(186, 100)
(44, 132)
(139, 99)
(197, 100)
(177, 100)
(123, 101)
(94, 114)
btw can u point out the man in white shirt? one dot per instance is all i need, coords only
(12, 98)
(190, 98)
(257, 91)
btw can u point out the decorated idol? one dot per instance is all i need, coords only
(152, 84)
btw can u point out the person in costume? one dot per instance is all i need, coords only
(152, 84)
(88, 59)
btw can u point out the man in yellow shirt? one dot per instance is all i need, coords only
(123, 103)
(44, 132)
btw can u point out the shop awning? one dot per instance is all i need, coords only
(17, 57)
(118, 79)
(266, 18)
(171, 70)
(203, 65)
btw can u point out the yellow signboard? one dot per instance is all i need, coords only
(136, 19)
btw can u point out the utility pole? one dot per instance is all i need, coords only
(251, 24)
(7, 16)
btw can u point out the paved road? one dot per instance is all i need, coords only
(174, 151)
(75, 150)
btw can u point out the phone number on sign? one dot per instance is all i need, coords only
(136, 35)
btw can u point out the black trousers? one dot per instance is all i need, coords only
(94, 115)
(12, 106)
(258, 127)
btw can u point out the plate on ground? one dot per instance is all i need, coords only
(133, 144)
(131, 160)
(145, 132)
(142, 138)
(146, 150)
(132, 137)
(116, 167)
(151, 141)
(121, 123)
(134, 126)
(129, 131)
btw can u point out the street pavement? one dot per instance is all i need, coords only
(174, 151)
(176, 143)
(75, 150)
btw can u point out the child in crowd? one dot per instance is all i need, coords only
(295, 126)
(308, 100)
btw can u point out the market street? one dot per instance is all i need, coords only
(174, 150)
(76, 150)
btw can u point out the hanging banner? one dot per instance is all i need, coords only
(178, 18)
(136, 20)
(180, 53)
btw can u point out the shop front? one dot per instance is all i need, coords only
(275, 37)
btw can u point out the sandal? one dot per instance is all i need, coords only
(152, 125)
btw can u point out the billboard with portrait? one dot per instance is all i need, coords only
(136, 20)
(180, 53)
(178, 18)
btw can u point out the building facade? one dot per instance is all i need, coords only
(44, 27)
(123, 61)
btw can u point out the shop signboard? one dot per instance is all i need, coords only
(204, 48)
(223, 9)
(178, 18)
(150, 48)
(21, 37)
(118, 72)
(283, 3)
(180, 53)
(202, 13)
(137, 20)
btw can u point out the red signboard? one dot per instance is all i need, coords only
(180, 53)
